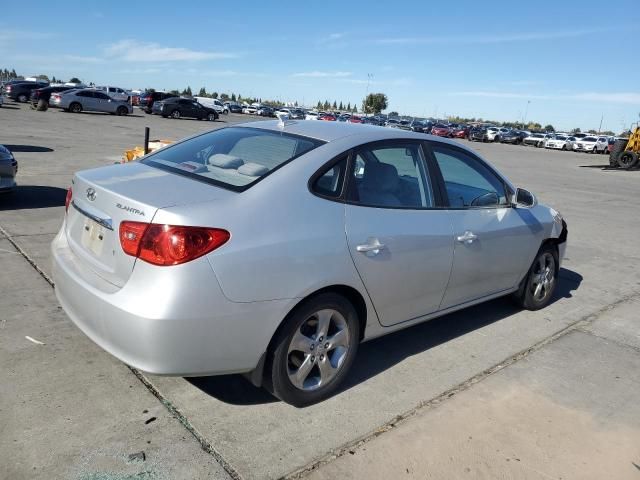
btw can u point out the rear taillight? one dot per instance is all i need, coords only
(67, 200)
(166, 245)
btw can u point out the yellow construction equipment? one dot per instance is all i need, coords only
(626, 152)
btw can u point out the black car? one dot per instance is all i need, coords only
(513, 136)
(184, 107)
(20, 92)
(43, 95)
(147, 99)
(234, 107)
(478, 134)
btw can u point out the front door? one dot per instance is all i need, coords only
(400, 243)
(493, 243)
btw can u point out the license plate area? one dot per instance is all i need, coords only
(93, 237)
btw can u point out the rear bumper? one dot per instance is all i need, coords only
(165, 320)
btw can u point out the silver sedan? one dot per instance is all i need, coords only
(8, 169)
(92, 100)
(275, 248)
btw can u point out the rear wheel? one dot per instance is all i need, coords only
(122, 111)
(537, 288)
(175, 114)
(314, 350)
(628, 160)
(75, 107)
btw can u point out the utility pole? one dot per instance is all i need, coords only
(526, 110)
(600, 127)
(369, 77)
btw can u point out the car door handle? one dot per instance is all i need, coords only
(467, 238)
(372, 246)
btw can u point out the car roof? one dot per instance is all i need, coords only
(330, 131)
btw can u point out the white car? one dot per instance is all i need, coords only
(535, 139)
(602, 145)
(492, 132)
(586, 144)
(558, 142)
(116, 93)
(250, 109)
(311, 116)
(214, 103)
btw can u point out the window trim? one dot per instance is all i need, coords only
(350, 181)
(441, 183)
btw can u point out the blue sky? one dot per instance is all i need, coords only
(572, 61)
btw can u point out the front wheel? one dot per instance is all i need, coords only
(22, 98)
(211, 117)
(314, 350)
(537, 288)
(122, 111)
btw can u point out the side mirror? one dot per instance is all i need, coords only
(524, 199)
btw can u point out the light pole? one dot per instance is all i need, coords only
(526, 110)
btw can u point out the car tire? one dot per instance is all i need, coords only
(175, 114)
(120, 111)
(303, 367)
(43, 105)
(564, 148)
(617, 150)
(628, 160)
(22, 98)
(537, 288)
(212, 117)
(75, 107)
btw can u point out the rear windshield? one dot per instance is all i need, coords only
(234, 157)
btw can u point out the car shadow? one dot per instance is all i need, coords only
(378, 355)
(10, 107)
(28, 148)
(26, 197)
(609, 168)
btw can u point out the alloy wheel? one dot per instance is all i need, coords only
(543, 277)
(318, 350)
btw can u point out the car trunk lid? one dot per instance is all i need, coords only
(105, 197)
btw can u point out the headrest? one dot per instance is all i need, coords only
(223, 160)
(381, 177)
(253, 169)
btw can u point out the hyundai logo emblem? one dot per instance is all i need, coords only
(91, 194)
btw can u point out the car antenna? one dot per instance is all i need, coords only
(283, 119)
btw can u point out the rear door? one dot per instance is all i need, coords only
(400, 242)
(493, 242)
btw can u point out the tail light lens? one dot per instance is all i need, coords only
(67, 200)
(166, 245)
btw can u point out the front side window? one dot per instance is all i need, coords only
(392, 175)
(233, 157)
(468, 182)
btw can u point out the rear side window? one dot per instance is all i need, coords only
(233, 158)
(329, 182)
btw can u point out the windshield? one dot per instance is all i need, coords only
(589, 139)
(537, 135)
(560, 137)
(234, 157)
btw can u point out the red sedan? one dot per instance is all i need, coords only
(354, 119)
(441, 130)
(460, 132)
(327, 117)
